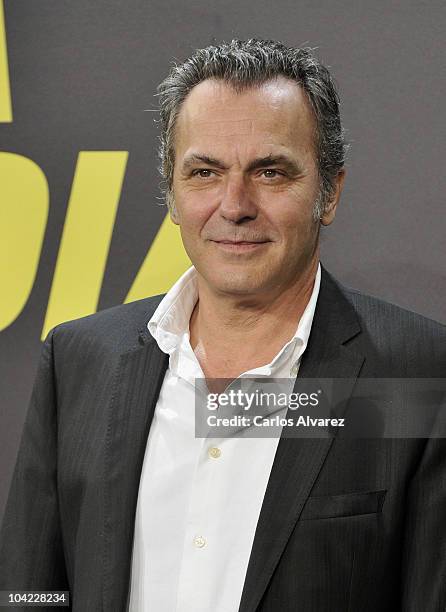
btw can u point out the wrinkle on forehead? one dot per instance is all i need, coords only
(277, 113)
(234, 127)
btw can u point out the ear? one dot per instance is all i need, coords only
(330, 208)
(174, 214)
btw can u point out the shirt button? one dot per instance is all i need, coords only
(294, 369)
(214, 452)
(199, 541)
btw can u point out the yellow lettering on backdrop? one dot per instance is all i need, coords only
(86, 236)
(5, 95)
(23, 215)
(165, 261)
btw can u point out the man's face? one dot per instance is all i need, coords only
(245, 183)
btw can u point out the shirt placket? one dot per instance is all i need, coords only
(195, 591)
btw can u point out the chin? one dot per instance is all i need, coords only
(237, 283)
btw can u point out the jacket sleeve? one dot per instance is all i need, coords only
(424, 554)
(31, 549)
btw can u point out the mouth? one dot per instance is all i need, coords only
(240, 245)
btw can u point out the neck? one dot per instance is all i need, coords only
(231, 334)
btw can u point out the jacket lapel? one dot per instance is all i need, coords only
(298, 461)
(137, 385)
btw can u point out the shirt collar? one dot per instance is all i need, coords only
(170, 321)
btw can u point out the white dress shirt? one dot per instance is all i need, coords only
(199, 498)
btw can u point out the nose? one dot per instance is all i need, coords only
(237, 204)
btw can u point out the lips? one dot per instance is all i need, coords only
(239, 246)
(240, 241)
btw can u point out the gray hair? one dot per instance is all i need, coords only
(245, 64)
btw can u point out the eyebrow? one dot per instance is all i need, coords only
(194, 159)
(261, 162)
(276, 160)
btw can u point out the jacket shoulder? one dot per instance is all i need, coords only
(117, 328)
(385, 315)
(408, 342)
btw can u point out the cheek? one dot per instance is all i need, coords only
(290, 215)
(194, 214)
(194, 209)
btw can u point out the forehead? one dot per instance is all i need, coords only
(276, 112)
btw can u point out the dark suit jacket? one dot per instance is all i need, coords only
(346, 525)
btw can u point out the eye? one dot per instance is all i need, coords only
(202, 173)
(270, 173)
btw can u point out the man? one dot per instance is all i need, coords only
(116, 500)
